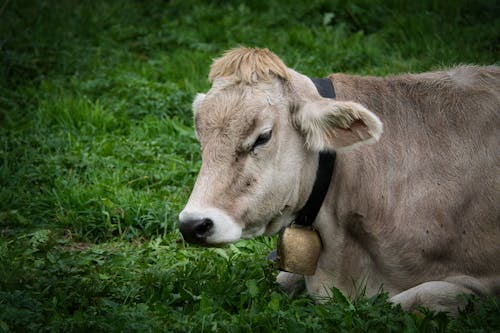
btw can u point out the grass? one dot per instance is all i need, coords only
(97, 157)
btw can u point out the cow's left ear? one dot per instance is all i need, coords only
(333, 125)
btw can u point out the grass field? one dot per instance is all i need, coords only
(98, 156)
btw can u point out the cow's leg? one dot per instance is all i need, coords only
(441, 295)
(319, 285)
(290, 282)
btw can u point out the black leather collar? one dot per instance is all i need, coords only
(324, 87)
(326, 164)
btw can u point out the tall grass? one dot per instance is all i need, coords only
(97, 156)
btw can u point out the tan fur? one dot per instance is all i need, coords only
(248, 65)
(422, 204)
(415, 212)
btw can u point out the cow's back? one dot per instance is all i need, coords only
(425, 197)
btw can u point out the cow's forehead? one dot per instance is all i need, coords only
(233, 111)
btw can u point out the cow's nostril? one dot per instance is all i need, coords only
(204, 228)
(196, 231)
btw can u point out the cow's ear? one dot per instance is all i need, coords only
(333, 125)
(196, 104)
(197, 101)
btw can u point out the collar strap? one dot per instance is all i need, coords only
(324, 87)
(326, 164)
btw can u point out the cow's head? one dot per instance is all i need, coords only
(260, 128)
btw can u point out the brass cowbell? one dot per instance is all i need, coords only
(298, 250)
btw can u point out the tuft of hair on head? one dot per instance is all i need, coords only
(248, 65)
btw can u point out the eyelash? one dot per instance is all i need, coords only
(262, 139)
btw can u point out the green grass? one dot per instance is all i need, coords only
(97, 157)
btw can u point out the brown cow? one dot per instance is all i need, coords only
(416, 212)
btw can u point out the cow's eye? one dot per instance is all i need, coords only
(262, 139)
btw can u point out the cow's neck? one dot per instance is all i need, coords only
(326, 163)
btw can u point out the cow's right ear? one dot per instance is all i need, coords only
(196, 105)
(329, 125)
(197, 101)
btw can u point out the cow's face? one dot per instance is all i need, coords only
(259, 144)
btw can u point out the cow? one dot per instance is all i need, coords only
(412, 204)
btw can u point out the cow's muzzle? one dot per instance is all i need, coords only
(208, 226)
